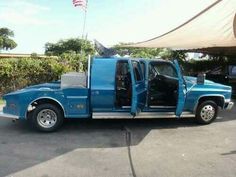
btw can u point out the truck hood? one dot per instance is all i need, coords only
(192, 81)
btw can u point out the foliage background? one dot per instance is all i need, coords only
(63, 56)
(18, 73)
(5, 39)
(72, 54)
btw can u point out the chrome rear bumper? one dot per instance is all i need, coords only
(229, 105)
(9, 116)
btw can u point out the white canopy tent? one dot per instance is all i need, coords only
(213, 31)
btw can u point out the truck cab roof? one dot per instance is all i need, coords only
(137, 59)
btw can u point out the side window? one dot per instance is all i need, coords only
(165, 69)
(137, 71)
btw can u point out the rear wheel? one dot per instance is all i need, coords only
(206, 112)
(46, 118)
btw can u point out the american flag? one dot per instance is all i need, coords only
(81, 3)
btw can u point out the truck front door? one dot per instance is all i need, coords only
(181, 90)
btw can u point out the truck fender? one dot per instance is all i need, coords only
(46, 100)
(213, 97)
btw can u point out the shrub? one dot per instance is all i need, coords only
(18, 73)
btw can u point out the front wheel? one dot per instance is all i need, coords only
(206, 112)
(46, 118)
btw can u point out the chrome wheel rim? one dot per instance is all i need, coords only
(207, 112)
(47, 118)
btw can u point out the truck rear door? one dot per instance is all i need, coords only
(138, 88)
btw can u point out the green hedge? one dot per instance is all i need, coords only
(2, 102)
(19, 73)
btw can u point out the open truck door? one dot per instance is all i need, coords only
(138, 88)
(181, 90)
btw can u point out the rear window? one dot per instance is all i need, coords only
(165, 69)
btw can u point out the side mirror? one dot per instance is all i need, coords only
(201, 78)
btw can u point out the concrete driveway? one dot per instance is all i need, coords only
(113, 148)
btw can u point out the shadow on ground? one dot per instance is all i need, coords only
(21, 147)
(230, 153)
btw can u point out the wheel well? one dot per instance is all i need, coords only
(35, 103)
(217, 99)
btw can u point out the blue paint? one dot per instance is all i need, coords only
(181, 91)
(139, 92)
(100, 96)
(103, 84)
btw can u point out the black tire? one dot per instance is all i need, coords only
(204, 113)
(46, 111)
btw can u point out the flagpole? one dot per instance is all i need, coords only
(85, 19)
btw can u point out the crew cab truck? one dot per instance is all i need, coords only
(119, 88)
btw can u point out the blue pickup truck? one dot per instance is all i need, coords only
(119, 88)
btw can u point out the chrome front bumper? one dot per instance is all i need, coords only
(9, 116)
(229, 105)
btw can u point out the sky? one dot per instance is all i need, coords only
(36, 22)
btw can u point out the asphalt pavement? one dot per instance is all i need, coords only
(114, 148)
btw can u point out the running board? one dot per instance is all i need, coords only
(142, 115)
(161, 107)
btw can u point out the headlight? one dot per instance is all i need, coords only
(227, 100)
